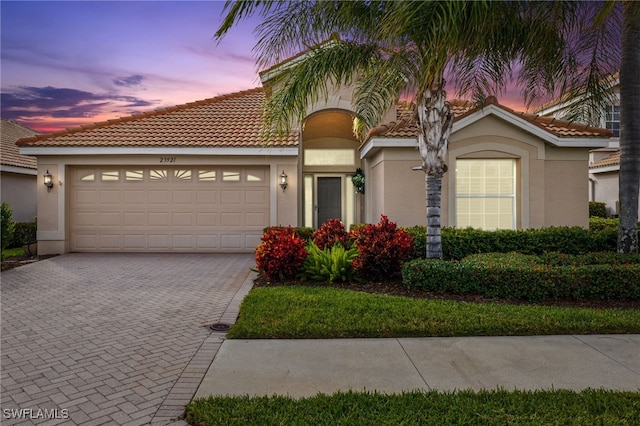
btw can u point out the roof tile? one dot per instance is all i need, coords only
(233, 120)
(9, 152)
(612, 159)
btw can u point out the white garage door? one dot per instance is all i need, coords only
(168, 208)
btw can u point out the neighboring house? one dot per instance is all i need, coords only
(200, 177)
(18, 173)
(604, 163)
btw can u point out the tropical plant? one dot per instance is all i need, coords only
(406, 49)
(333, 264)
(330, 233)
(281, 254)
(382, 248)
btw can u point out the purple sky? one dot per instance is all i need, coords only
(70, 63)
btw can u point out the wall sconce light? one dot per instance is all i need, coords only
(48, 180)
(283, 181)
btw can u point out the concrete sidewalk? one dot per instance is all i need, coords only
(301, 368)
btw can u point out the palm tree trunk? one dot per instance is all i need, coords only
(435, 122)
(629, 129)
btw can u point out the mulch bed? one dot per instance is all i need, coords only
(396, 288)
(14, 262)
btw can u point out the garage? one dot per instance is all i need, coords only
(167, 208)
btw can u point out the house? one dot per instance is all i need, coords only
(18, 173)
(604, 163)
(199, 177)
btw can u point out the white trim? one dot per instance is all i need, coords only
(19, 170)
(158, 151)
(613, 168)
(561, 142)
(374, 144)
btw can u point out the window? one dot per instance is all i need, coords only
(182, 175)
(486, 194)
(134, 175)
(329, 157)
(110, 175)
(158, 175)
(207, 175)
(231, 176)
(612, 120)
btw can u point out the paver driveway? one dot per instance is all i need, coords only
(112, 338)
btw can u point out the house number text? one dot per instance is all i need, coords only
(167, 159)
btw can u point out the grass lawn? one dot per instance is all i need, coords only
(327, 312)
(13, 252)
(558, 407)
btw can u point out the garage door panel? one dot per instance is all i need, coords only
(256, 197)
(138, 208)
(159, 219)
(134, 197)
(109, 219)
(182, 197)
(110, 241)
(182, 219)
(207, 219)
(207, 197)
(134, 219)
(255, 219)
(158, 197)
(207, 241)
(83, 219)
(159, 241)
(134, 241)
(86, 196)
(110, 196)
(231, 219)
(231, 241)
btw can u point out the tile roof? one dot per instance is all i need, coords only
(612, 159)
(9, 152)
(233, 120)
(405, 126)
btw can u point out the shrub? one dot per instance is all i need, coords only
(330, 233)
(6, 226)
(302, 231)
(602, 224)
(460, 243)
(382, 248)
(281, 253)
(24, 233)
(331, 264)
(597, 209)
(603, 276)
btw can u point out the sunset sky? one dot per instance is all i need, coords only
(70, 63)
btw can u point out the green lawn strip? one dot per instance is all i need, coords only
(326, 312)
(13, 252)
(555, 407)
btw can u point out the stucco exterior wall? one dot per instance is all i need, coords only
(551, 187)
(605, 190)
(53, 207)
(19, 190)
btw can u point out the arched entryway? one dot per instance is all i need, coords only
(329, 158)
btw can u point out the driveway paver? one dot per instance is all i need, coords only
(112, 338)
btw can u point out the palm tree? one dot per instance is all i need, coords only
(406, 49)
(629, 129)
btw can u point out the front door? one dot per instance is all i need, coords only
(329, 201)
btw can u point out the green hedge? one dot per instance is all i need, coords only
(597, 209)
(460, 243)
(594, 276)
(24, 233)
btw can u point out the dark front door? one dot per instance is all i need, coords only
(329, 199)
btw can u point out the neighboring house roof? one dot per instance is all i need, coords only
(228, 121)
(568, 99)
(610, 160)
(10, 154)
(406, 126)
